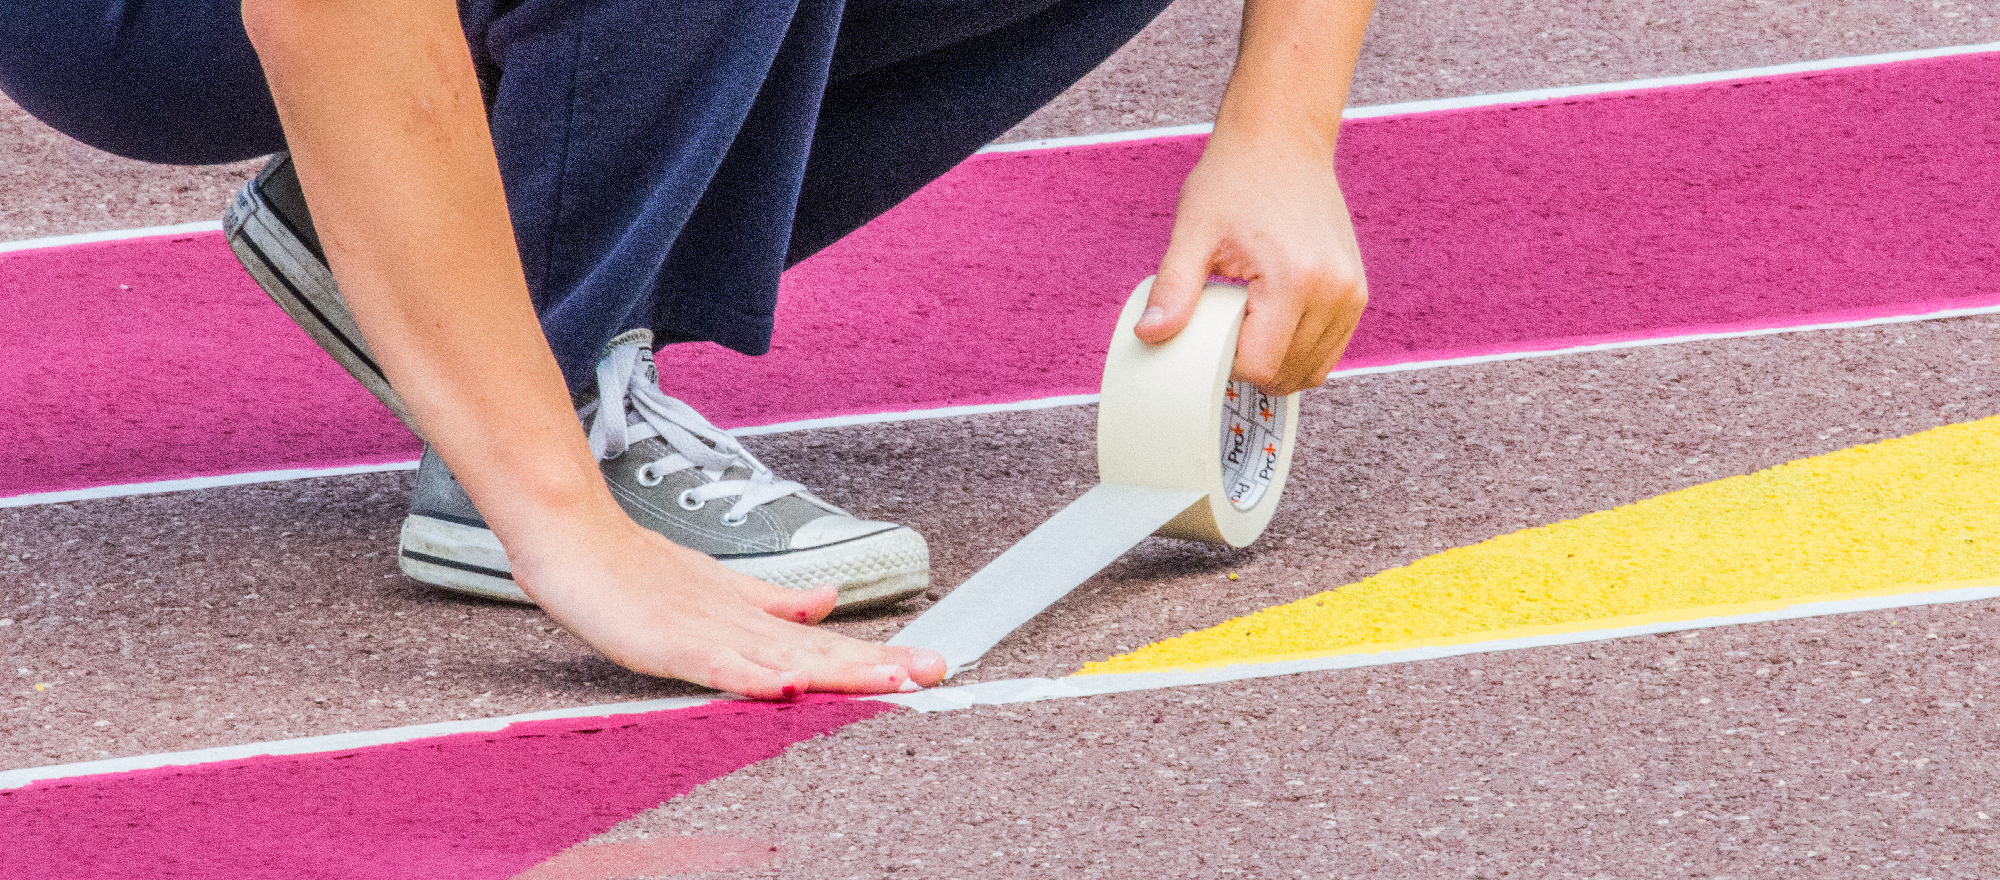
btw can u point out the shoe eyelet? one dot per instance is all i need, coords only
(688, 501)
(732, 523)
(644, 474)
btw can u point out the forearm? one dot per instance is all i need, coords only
(383, 115)
(1293, 67)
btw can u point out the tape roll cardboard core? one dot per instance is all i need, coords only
(1182, 451)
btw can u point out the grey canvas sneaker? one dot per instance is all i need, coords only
(272, 234)
(680, 476)
(668, 467)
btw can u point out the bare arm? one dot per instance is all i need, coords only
(1263, 203)
(382, 112)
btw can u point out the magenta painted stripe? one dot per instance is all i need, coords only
(475, 806)
(1786, 200)
(158, 358)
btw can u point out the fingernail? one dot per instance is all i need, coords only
(926, 657)
(790, 691)
(1152, 315)
(909, 686)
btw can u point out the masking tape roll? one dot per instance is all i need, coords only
(1181, 451)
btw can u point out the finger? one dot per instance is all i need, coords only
(780, 643)
(835, 675)
(1176, 288)
(1326, 353)
(1268, 327)
(1331, 327)
(798, 606)
(724, 669)
(1349, 304)
(926, 666)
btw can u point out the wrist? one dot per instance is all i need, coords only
(1272, 135)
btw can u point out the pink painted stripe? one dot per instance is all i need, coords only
(1786, 200)
(476, 806)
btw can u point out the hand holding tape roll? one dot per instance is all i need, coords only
(1181, 451)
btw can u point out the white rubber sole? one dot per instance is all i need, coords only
(875, 570)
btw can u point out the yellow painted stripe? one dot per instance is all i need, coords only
(1912, 514)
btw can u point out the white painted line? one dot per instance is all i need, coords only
(1109, 137)
(338, 742)
(192, 483)
(110, 235)
(1664, 340)
(997, 693)
(254, 477)
(943, 412)
(1528, 96)
(1028, 690)
(1537, 96)
(946, 412)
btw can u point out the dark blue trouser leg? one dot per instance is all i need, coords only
(664, 160)
(636, 203)
(891, 123)
(670, 187)
(169, 82)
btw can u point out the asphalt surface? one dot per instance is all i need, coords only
(1173, 74)
(242, 614)
(1853, 746)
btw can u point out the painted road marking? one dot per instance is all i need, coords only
(1529, 96)
(1923, 499)
(1028, 690)
(1451, 285)
(111, 235)
(948, 412)
(1493, 99)
(1921, 509)
(338, 742)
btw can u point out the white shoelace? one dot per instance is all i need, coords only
(623, 379)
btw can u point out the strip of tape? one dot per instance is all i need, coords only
(1181, 450)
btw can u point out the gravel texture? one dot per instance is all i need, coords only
(1850, 747)
(1855, 746)
(255, 613)
(1173, 74)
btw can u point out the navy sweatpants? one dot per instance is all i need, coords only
(664, 160)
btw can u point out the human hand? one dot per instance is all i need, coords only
(1280, 223)
(660, 609)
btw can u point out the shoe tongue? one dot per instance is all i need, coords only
(635, 336)
(643, 338)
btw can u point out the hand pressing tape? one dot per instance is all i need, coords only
(1181, 451)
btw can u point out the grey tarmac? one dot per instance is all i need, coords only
(1855, 746)
(263, 612)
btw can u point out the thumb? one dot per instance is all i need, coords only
(1176, 289)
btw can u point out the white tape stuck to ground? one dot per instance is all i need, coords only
(1181, 450)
